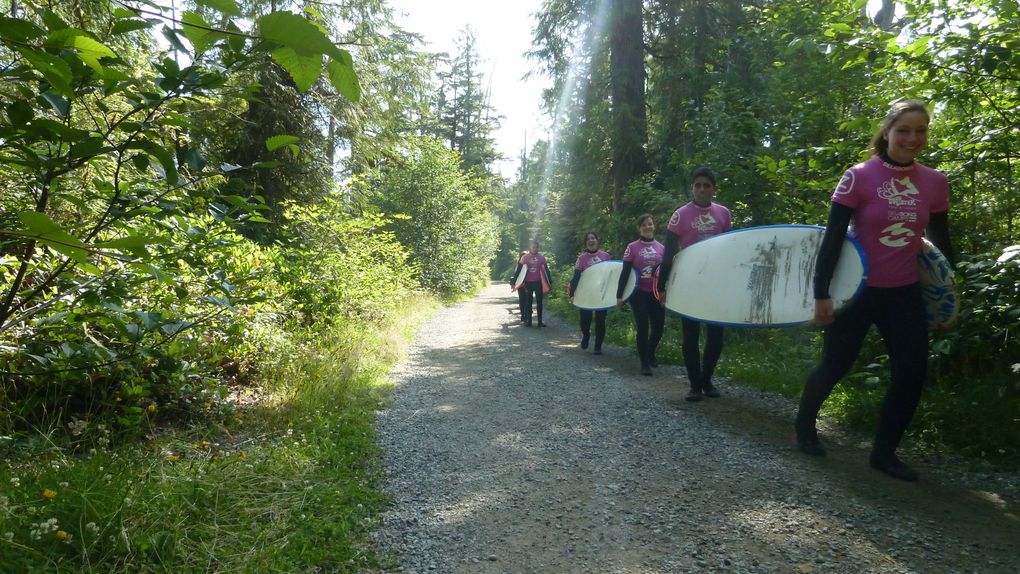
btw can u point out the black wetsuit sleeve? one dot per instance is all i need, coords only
(832, 244)
(548, 275)
(938, 233)
(516, 273)
(574, 280)
(624, 278)
(672, 248)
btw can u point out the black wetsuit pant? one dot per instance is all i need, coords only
(699, 371)
(522, 294)
(648, 312)
(532, 291)
(600, 327)
(900, 316)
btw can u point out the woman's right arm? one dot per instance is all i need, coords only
(628, 266)
(828, 257)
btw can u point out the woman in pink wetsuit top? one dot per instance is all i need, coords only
(893, 201)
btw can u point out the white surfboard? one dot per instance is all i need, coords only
(520, 277)
(938, 286)
(759, 276)
(596, 290)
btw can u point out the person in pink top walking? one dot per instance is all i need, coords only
(893, 201)
(537, 282)
(644, 255)
(591, 255)
(699, 219)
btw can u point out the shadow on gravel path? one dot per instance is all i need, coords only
(509, 449)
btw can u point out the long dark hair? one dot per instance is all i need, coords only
(879, 142)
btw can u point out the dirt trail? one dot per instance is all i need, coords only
(511, 450)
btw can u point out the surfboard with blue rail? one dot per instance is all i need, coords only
(596, 290)
(759, 277)
(938, 285)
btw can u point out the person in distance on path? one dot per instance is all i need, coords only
(591, 255)
(700, 219)
(520, 292)
(892, 200)
(537, 281)
(644, 255)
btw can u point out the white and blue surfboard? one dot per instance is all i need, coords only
(759, 277)
(596, 290)
(938, 285)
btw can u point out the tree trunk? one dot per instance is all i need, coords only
(627, 92)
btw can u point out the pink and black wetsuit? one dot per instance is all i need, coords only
(644, 256)
(692, 223)
(892, 206)
(537, 275)
(585, 260)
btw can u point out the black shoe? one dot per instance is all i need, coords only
(541, 324)
(711, 391)
(893, 466)
(694, 395)
(597, 351)
(646, 371)
(808, 443)
(584, 342)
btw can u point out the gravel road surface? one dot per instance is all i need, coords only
(510, 449)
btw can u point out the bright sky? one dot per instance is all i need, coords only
(503, 34)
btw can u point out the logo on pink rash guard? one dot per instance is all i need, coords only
(899, 197)
(704, 223)
(846, 183)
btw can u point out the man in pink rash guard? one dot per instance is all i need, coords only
(893, 201)
(699, 219)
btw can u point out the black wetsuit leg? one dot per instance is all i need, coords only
(647, 313)
(586, 317)
(904, 329)
(600, 328)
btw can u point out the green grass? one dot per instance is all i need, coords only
(960, 414)
(292, 484)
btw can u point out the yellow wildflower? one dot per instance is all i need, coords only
(174, 458)
(49, 494)
(151, 408)
(61, 535)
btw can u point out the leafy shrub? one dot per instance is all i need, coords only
(442, 215)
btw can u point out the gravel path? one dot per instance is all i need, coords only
(509, 449)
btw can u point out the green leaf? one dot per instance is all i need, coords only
(56, 71)
(90, 51)
(20, 112)
(48, 232)
(19, 30)
(236, 40)
(165, 159)
(59, 104)
(276, 142)
(294, 31)
(228, 7)
(343, 78)
(303, 69)
(196, 30)
(125, 25)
